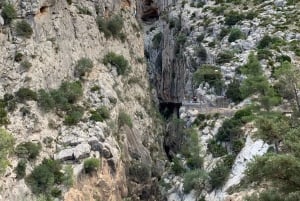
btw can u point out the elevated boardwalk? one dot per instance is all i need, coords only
(201, 108)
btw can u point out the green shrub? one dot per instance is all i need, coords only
(83, 66)
(23, 29)
(264, 54)
(177, 166)
(100, 114)
(21, 169)
(74, 115)
(72, 91)
(68, 178)
(194, 179)
(283, 58)
(210, 74)
(233, 91)
(215, 148)
(24, 94)
(110, 27)
(124, 119)
(8, 13)
(235, 34)
(270, 42)
(18, 56)
(6, 144)
(224, 32)
(233, 17)
(190, 148)
(3, 112)
(91, 165)
(118, 61)
(45, 100)
(220, 173)
(84, 10)
(224, 57)
(44, 177)
(26, 64)
(28, 150)
(139, 172)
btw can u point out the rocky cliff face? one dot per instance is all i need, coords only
(196, 35)
(63, 33)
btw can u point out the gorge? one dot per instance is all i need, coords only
(153, 100)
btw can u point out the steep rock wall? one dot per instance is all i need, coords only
(62, 34)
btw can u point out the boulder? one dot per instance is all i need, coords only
(66, 154)
(82, 151)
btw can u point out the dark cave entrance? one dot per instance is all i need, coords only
(168, 109)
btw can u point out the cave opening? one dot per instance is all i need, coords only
(43, 9)
(168, 109)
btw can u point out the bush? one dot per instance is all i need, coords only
(21, 169)
(235, 34)
(8, 13)
(83, 66)
(194, 179)
(72, 91)
(26, 64)
(139, 172)
(111, 27)
(265, 42)
(177, 166)
(44, 177)
(220, 173)
(84, 10)
(124, 119)
(224, 57)
(18, 56)
(6, 144)
(264, 54)
(100, 114)
(45, 100)
(69, 2)
(24, 94)
(233, 91)
(210, 74)
(216, 149)
(3, 113)
(28, 150)
(91, 165)
(118, 61)
(233, 17)
(23, 29)
(74, 115)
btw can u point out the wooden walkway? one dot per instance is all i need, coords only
(204, 109)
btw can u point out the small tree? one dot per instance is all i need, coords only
(91, 165)
(6, 144)
(21, 169)
(23, 29)
(235, 34)
(8, 13)
(288, 75)
(28, 150)
(83, 66)
(119, 61)
(124, 119)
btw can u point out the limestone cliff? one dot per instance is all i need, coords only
(63, 33)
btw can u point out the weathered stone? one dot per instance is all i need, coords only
(66, 154)
(82, 151)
